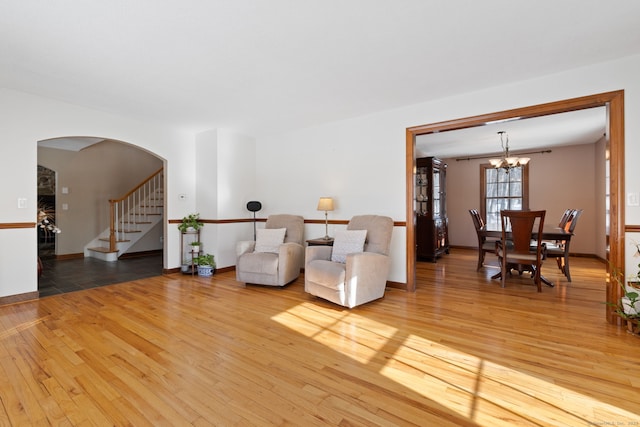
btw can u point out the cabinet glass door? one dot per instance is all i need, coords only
(436, 194)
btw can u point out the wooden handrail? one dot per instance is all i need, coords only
(137, 187)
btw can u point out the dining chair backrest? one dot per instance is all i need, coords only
(484, 245)
(565, 217)
(573, 221)
(520, 225)
(478, 223)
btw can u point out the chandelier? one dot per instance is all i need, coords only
(507, 162)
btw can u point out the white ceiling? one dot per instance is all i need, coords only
(259, 66)
(75, 143)
(536, 134)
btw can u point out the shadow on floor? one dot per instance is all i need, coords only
(63, 276)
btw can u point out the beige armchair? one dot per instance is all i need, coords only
(277, 255)
(362, 275)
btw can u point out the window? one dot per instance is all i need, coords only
(502, 189)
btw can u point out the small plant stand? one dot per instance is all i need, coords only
(186, 237)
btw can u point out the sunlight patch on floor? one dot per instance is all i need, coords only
(480, 390)
(484, 391)
(352, 335)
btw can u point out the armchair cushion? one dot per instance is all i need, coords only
(331, 274)
(261, 263)
(269, 239)
(347, 242)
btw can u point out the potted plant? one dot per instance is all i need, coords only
(628, 307)
(206, 265)
(190, 222)
(195, 247)
(185, 267)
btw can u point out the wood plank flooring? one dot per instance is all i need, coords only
(175, 350)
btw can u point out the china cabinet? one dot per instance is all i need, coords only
(432, 234)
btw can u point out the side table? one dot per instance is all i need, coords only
(320, 242)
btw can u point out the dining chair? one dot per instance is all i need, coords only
(484, 245)
(565, 218)
(562, 224)
(517, 229)
(560, 249)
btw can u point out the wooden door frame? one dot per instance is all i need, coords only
(613, 101)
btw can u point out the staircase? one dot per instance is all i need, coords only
(130, 218)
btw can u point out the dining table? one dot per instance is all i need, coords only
(549, 232)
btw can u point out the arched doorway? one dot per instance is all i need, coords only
(91, 171)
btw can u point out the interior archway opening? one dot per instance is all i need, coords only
(613, 101)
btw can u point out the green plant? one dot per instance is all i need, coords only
(626, 306)
(195, 243)
(191, 220)
(206, 259)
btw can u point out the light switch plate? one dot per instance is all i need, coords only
(633, 199)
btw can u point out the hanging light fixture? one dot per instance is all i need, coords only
(507, 162)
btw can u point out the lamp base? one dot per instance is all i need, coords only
(326, 226)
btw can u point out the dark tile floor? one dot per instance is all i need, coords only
(71, 275)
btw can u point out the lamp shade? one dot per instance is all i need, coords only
(325, 204)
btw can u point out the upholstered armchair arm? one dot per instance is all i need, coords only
(366, 277)
(317, 252)
(244, 247)
(291, 256)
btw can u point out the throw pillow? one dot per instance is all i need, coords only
(347, 242)
(269, 239)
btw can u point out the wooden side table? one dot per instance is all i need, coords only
(320, 242)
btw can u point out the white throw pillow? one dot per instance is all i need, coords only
(347, 242)
(269, 239)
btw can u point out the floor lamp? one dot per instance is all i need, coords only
(254, 206)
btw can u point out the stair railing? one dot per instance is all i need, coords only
(134, 207)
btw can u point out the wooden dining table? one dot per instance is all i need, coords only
(549, 232)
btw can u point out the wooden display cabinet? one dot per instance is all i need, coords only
(432, 226)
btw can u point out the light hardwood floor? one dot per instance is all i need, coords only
(461, 350)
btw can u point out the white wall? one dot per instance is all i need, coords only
(360, 162)
(226, 180)
(27, 119)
